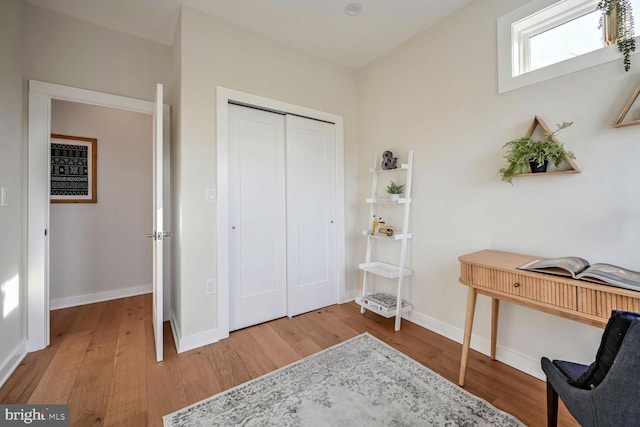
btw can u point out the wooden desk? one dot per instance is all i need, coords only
(495, 274)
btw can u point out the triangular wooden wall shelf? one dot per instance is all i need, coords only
(619, 121)
(537, 121)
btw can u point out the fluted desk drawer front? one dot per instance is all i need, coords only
(600, 302)
(529, 287)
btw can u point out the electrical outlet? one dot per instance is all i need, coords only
(211, 286)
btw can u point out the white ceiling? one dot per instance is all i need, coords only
(317, 26)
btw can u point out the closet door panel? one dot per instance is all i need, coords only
(311, 233)
(257, 244)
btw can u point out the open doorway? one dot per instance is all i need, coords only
(98, 251)
(41, 96)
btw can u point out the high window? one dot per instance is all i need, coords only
(549, 38)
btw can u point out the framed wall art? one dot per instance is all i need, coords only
(73, 169)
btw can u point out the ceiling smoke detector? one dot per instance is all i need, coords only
(353, 9)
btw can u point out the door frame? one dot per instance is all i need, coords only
(224, 96)
(39, 125)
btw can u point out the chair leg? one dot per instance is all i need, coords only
(552, 406)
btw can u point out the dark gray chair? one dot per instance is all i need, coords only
(609, 397)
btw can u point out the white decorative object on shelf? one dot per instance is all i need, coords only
(379, 231)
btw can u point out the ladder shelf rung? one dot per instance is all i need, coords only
(396, 236)
(383, 269)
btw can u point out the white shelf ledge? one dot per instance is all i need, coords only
(400, 201)
(389, 271)
(396, 236)
(403, 166)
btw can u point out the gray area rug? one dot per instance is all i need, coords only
(360, 382)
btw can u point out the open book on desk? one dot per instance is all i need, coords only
(579, 268)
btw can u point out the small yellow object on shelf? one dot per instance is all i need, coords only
(374, 225)
(385, 229)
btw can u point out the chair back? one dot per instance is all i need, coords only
(617, 398)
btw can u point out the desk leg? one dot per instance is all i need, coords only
(468, 326)
(495, 307)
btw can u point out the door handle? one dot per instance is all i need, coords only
(159, 235)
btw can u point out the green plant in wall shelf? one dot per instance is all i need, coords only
(617, 21)
(395, 188)
(524, 154)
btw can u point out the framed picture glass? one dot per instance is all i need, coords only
(73, 169)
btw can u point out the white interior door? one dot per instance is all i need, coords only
(311, 215)
(37, 279)
(257, 235)
(158, 233)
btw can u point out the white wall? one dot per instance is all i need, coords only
(214, 53)
(64, 50)
(438, 95)
(12, 284)
(59, 49)
(176, 168)
(99, 250)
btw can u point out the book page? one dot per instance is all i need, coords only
(565, 266)
(613, 275)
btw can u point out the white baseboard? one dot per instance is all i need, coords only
(11, 363)
(351, 296)
(174, 331)
(194, 341)
(56, 304)
(507, 356)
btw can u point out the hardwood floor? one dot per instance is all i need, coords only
(101, 362)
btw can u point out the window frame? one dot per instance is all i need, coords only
(548, 18)
(516, 27)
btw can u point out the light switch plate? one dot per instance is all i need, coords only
(4, 197)
(211, 286)
(211, 195)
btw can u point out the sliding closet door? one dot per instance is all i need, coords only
(282, 241)
(257, 213)
(311, 209)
